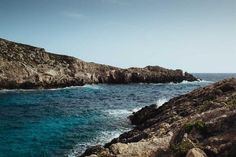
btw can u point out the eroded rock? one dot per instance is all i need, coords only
(24, 66)
(198, 124)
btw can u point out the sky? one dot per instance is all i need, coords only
(193, 35)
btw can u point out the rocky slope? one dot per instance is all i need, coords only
(24, 66)
(199, 124)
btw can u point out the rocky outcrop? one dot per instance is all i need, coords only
(198, 124)
(24, 66)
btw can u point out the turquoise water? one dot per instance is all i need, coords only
(64, 122)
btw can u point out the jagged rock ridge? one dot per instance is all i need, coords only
(24, 66)
(198, 124)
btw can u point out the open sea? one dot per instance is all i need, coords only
(64, 122)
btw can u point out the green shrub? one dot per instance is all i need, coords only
(199, 125)
(182, 148)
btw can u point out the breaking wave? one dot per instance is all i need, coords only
(102, 138)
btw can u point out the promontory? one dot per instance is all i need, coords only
(25, 67)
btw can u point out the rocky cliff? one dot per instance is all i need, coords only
(24, 66)
(199, 124)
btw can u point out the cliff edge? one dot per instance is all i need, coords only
(24, 66)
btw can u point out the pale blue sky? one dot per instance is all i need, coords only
(193, 35)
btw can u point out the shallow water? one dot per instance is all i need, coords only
(64, 122)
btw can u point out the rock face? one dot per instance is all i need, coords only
(199, 124)
(24, 66)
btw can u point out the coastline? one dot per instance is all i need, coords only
(94, 86)
(28, 67)
(182, 126)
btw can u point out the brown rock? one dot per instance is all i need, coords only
(24, 66)
(196, 152)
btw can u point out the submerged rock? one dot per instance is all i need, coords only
(198, 124)
(24, 66)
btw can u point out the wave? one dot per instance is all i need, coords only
(36, 90)
(136, 109)
(102, 138)
(195, 82)
(160, 102)
(119, 112)
(183, 83)
(126, 112)
(96, 87)
(122, 112)
(93, 86)
(64, 88)
(17, 90)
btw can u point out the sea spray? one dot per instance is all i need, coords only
(160, 102)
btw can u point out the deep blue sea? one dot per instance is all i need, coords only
(64, 122)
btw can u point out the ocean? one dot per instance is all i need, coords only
(64, 122)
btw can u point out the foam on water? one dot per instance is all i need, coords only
(160, 102)
(183, 82)
(136, 109)
(93, 86)
(64, 88)
(40, 89)
(195, 82)
(96, 87)
(127, 112)
(118, 112)
(102, 138)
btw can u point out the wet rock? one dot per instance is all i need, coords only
(142, 115)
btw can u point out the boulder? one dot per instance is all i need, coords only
(196, 152)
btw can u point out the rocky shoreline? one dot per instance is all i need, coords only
(27, 67)
(198, 124)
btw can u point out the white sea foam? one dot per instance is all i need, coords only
(183, 82)
(76, 87)
(122, 112)
(16, 90)
(127, 112)
(136, 109)
(40, 89)
(194, 82)
(64, 88)
(97, 87)
(102, 138)
(160, 102)
(118, 112)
